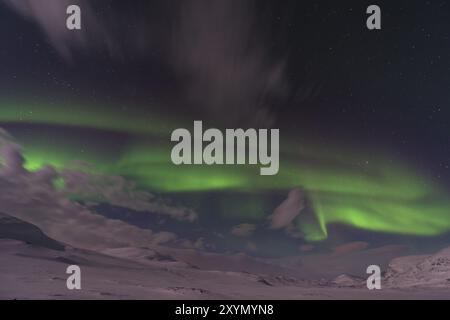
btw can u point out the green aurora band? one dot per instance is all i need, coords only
(381, 195)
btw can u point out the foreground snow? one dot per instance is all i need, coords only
(32, 266)
(31, 272)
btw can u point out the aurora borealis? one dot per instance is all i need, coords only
(371, 160)
(376, 194)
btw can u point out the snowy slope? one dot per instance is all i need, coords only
(420, 271)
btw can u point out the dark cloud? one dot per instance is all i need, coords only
(350, 247)
(306, 247)
(243, 230)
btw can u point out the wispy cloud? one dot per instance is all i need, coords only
(120, 192)
(288, 210)
(216, 46)
(50, 16)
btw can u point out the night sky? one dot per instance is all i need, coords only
(363, 115)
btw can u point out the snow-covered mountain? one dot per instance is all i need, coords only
(420, 271)
(16, 229)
